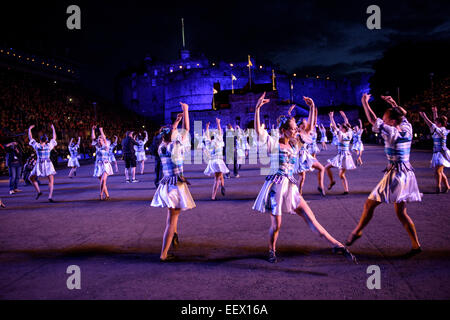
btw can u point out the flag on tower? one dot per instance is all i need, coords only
(250, 64)
(214, 91)
(233, 77)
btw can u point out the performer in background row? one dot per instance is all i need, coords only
(44, 166)
(14, 162)
(103, 167)
(441, 154)
(129, 157)
(157, 139)
(279, 194)
(140, 150)
(216, 166)
(323, 136)
(73, 162)
(112, 157)
(398, 185)
(358, 146)
(343, 160)
(306, 162)
(172, 192)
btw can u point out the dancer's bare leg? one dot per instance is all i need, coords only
(274, 231)
(408, 224)
(320, 175)
(438, 176)
(302, 176)
(306, 213)
(35, 184)
(366, 216)
(330, 175)
(51, 181)
(344, 179)
(171, 226)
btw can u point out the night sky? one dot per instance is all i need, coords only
(306, 37)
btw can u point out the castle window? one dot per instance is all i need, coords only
(155, 72)
(188, 66)
(134, 94)
(153, 82)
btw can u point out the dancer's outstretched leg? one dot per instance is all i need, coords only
(320, 176)
(344, 180)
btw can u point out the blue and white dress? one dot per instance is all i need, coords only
(343, 159)
(172, 190)
(140, 150)
(214, 149)
(102, 164)
(441, 154)
(112, 157)
(73, 158)
(312, 147)
(399, 182)
(357, 142)
(44, 166)
(305, 160)
(279, 194)
(323, 135)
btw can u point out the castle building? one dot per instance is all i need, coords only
(226, 89)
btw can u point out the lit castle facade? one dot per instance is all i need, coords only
(227, 90)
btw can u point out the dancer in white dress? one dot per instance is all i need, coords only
(279, 195)
(306, 161)
(312, 146)
(323, 137)
(44, 166)
(441, 154)
(214, 147)
(112, 157)
(172, 192)
(73, 162)
(343, 160)
(358, 145)
(140, 150)
(103, 167)
(398, 184)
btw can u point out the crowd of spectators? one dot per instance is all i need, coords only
(28, 99)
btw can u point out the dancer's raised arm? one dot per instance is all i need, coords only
(332, 123)
(102, 134)
(79, 140)
(206, 132)
(257, 122)
(344, 116)
(435, 113)
(30, 135)
(53, 132)
(425, 118)
(290, 109)
(360, 124)
(310, 103)
(394, 104)
(219, 127)
(93, 133)
(186, 123)
(70, 142)
(371, 116)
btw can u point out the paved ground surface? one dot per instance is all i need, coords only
(223, 244)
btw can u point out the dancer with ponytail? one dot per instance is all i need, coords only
(441, 154)
(343, 160)
(398, 185)
(214, 147)
(279, 194)
(172, 192)
(73, 162)
(112, 157)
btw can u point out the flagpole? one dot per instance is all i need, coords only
(273, 80)
(249, 72)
